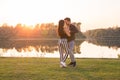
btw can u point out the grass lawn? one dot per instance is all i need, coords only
(48, 69)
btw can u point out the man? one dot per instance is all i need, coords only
(71, 39)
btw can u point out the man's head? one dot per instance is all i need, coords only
(67, 20)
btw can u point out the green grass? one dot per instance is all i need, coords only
(48, 69)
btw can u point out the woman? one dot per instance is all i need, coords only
(63, 32)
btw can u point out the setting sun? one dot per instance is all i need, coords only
(91, 13)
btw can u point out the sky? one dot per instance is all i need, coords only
(91, 13)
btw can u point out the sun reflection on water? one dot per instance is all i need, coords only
(88, 50)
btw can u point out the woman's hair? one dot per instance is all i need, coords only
(60, 26)
(61, 23)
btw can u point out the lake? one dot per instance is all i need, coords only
(49, 48)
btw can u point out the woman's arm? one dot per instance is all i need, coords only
(66, 29)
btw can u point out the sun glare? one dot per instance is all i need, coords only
(89, 12)
(26, 12)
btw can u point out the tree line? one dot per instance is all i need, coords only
(108, 33)
(39, 31)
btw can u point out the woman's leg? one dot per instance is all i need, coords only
(63, 46)
(61, 51)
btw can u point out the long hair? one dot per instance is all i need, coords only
(60, 26)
